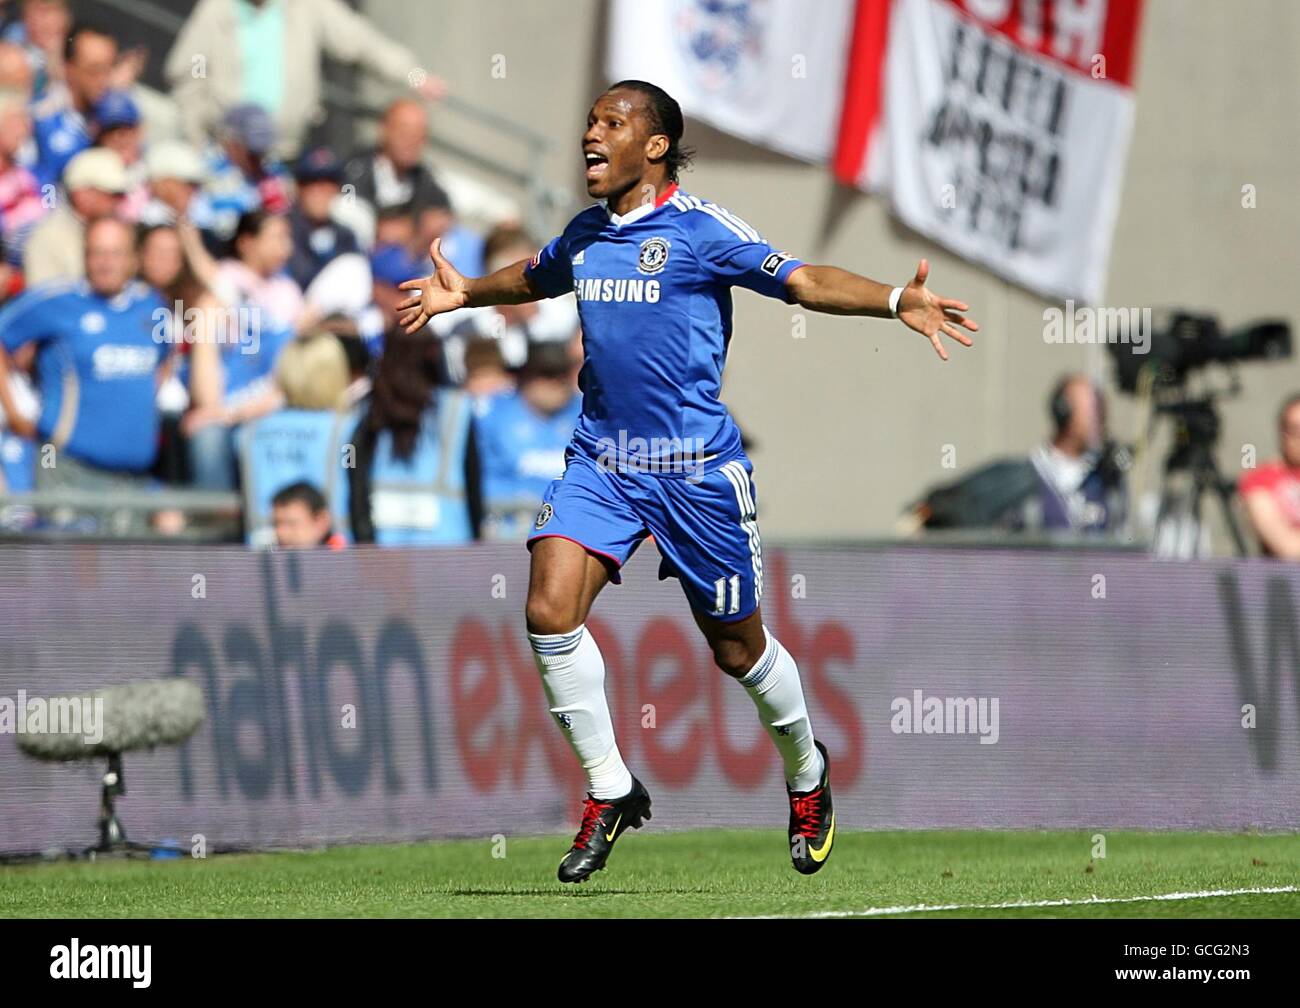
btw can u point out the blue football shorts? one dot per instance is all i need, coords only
(705, 526)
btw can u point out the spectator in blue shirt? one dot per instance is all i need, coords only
(390, 265)
(62, 117)
(242, 176)
(523, 434)
(101, 352)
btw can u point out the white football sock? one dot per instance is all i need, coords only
(774, 684)
(573, 675)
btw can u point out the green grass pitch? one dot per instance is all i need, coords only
(704, 873)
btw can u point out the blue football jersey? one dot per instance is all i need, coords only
(61, 133)
(654, 295)
(97, 367)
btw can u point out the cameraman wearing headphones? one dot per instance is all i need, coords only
(1081, 489)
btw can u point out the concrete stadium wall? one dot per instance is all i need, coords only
(375, 695)
(850, 421)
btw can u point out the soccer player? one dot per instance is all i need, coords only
(655, 451)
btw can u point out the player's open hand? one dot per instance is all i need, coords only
(932, 316)
(442, 291)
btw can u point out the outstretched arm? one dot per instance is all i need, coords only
(445, 289)
(839, 292)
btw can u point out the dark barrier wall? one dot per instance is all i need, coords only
(391, 695)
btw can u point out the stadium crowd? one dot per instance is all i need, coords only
(208, 300)
(194, 294)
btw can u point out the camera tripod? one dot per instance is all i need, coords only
(1190, 473)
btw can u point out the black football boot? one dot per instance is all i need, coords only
(603, 822)
(812, 822)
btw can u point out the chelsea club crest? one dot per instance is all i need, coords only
(544, 515)
(653, 257)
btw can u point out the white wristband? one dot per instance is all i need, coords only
(894, 297)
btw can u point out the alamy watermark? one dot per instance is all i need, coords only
(1085, 324)
(655, 454)
(70, 715)
(923, 715)
(75, 961)
(240, 325)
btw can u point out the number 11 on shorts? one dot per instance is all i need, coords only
(724, 587)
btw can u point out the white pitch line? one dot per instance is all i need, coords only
(1030, 904)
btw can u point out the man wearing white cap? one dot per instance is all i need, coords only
(175, 172)
(93, 184)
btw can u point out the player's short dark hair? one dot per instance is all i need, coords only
(300, 492)
(665, 118)
(79, 29)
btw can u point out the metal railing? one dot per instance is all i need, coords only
(96, 516)
(150, 13)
